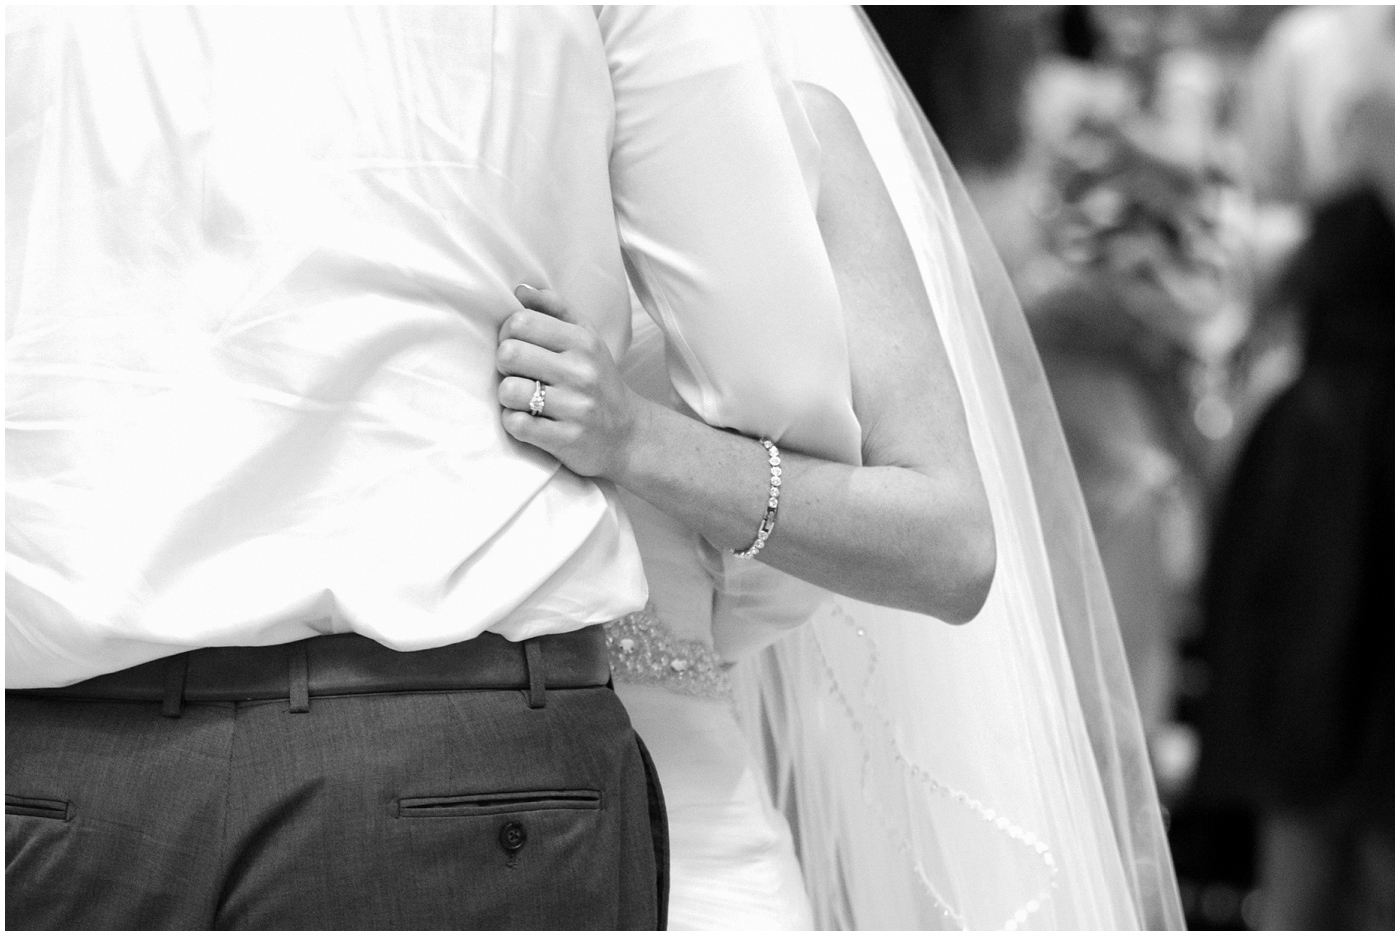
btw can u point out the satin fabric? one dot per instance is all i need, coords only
(988, 776)
(733, 864)
(258, 258)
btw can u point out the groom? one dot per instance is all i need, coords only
(296, 635)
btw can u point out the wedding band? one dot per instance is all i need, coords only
(537, 401)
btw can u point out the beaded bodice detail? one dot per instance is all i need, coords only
(642, 651)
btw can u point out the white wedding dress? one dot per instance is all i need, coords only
(873, 768)
(733, 865)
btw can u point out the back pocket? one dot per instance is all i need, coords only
(38, 807)
(490, 804)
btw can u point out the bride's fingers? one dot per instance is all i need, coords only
(515, 393)
(546, 301)
(537, 328)
(523, 359)
(546, 434)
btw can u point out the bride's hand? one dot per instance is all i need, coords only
(589, 415)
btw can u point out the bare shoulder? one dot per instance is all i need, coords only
(835, 128)
(820, 103)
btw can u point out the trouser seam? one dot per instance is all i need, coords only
(222, 893)
(660, 833)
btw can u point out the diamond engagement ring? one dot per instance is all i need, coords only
(537, 400)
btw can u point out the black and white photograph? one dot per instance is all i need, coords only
(700, 467)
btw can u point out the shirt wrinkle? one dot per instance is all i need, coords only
(250, 375)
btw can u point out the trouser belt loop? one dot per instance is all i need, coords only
(175, 670)
(298, 678)
(534, 667)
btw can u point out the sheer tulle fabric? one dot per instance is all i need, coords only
(993, 775)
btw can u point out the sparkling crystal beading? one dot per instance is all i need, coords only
(643, 651)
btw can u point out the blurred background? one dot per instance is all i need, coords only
(1196, 207)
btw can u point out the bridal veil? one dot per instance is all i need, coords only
(993, 775)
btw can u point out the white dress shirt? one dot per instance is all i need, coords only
(257, 259)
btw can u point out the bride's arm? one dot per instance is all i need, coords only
(910, 527)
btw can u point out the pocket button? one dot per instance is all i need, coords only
(512, 836)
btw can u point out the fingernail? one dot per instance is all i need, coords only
(528, 286)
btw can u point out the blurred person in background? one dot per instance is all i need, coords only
(1299, 593)
(1146, 202)
(1087, 138)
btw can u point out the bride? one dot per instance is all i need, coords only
(877, 767)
